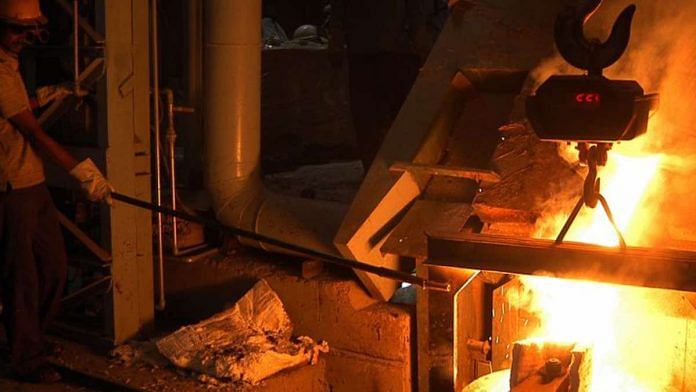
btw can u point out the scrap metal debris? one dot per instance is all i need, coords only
(249, 342)
(136, 353)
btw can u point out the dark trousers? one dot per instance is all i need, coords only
(33, 265)
(379, 84)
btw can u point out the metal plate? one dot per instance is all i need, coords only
(409, 237)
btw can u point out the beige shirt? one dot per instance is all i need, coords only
(20, 166)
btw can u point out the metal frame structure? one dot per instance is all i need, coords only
(126, 131)
(122, 78)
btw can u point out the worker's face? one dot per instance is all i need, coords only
(14, 38)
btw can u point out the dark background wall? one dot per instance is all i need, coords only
(293, 13)
(305, 113)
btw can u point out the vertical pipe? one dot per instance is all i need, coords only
(193, 140)
(232, 106)
(232, 116)
(171, 150)
(154, 47)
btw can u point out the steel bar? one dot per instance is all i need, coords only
(154, 48)
(171, 151)
(610, 216)
(89, 75)
(88, 29)
(446, 171)
(570, 220)
(100, 284)
(95, 248)
(657, 268)
(213, 224)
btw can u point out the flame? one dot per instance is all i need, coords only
(628, 333)
(629, 183)
(633, 342)
(638, 345)
(628, 179)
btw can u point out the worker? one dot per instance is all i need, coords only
(32, 253)
(387, 42)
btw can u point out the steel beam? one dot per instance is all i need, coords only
(85, 239)
(124, 129)
(446, 171)
(657, 268)
(99, 285)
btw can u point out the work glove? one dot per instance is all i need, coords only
(48, 94)
(92, 181)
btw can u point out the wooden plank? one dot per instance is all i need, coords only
(658, 268)
(446, 171)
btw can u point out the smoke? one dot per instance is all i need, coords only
(662, 57)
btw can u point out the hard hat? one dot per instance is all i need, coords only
(305, 32)
(22, 12)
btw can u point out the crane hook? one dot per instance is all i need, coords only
(591, 55)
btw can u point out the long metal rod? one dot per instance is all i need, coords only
(570, 220)
(154, 45)
(213, 224)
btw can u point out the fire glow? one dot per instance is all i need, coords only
(632, 339)
(642, 339)
(627, 182)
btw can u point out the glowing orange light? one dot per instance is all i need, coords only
(623, 325)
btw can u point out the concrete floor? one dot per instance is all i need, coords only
(86, 369)
(370, 342)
